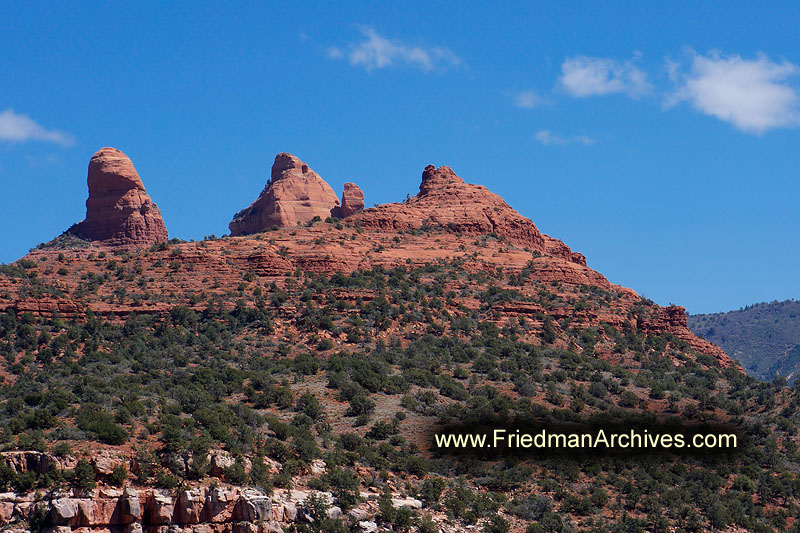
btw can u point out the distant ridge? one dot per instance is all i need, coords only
(764, 337)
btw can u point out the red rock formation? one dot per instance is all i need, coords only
(672, 319)
(461, 212)
(295, 194)
(352, 201)
(119, 212)
(44, 307)
(446, 200)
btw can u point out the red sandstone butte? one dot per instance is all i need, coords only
(446, 200)
(118, 211)
(295, 194)
(456, 212)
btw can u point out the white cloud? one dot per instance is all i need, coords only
(20, 128)
(589, 76)
(548, 138)
(42, 161)
(527, 99)
(753, 95)
(376, 51)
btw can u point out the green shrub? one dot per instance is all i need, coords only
(101, 423)
(84, 478)
(119, 475)
(497, 524)
(235, 473)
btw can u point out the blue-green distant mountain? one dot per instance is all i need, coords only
(764, 337)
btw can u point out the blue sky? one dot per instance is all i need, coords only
(660, 139)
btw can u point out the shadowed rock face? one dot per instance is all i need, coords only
(118, 211)
(295, 194)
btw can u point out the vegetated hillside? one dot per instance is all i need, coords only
(764, 337)
(320, 358)
(169, 356)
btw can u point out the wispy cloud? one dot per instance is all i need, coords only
(752, 94)
(375, 51)
(20, 128)
(548, 138)
(584, 76)
(42, 161)
(527, 99)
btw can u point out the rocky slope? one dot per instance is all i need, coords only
(197, 508)
(118, 211)
(236, 378)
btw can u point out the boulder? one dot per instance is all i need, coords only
(318, 467)
(406, 503)
(244, 527)
(161, 508)
(190, 506)
(129, 508)
(253, 505)
(359, 515)
(59, 529)
(249, 527)
(136, 527)
(109, 492)
(104, 463)
(219, 462)
(368, 526)
(63, 511)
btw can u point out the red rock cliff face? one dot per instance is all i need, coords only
(119, 212)
(295, 194)
(446, 200)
